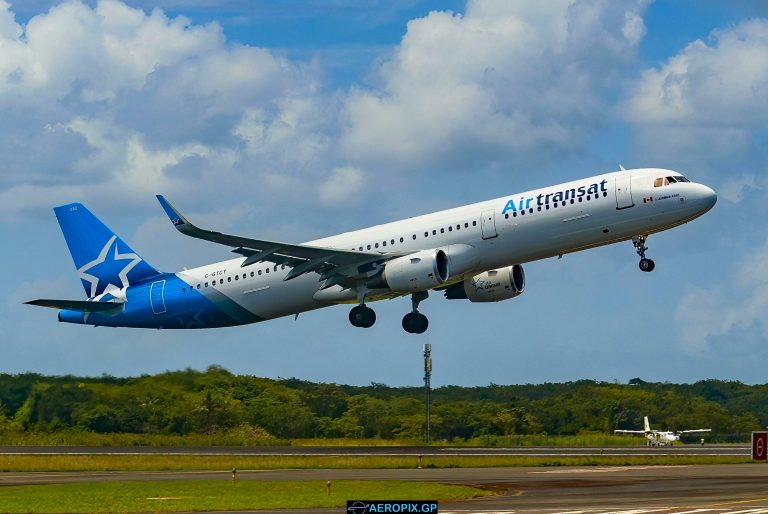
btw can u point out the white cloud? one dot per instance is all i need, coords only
(343, 186)
(107, 103)
(498, 83)
(724, 83)
(738, 304)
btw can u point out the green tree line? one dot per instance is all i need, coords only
(266, 411)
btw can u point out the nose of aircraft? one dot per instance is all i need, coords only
(706, 197)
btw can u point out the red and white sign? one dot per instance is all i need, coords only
(759, 445)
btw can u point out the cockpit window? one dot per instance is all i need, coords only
(658, 182)
(670, 180)
(681, 178)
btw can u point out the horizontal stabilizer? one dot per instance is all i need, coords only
(77, 305)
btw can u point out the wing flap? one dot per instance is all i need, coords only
(77, 305)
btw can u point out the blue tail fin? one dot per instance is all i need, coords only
(103, 260)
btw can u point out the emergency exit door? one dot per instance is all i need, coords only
(488, 224)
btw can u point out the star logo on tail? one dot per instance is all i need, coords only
(109, 271)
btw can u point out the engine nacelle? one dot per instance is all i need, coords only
(419, 271)
(490, 286)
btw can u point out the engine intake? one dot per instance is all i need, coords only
(419, 271)
(490, 286)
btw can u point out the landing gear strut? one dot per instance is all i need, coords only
(646, 265)
(415, 322)
(362, 316)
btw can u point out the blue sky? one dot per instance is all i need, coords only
(296, 120)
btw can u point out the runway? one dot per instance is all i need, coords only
(395, 451)
(711, 489)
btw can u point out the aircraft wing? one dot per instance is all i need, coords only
(697, 431)
(640, 432)
(77, 305)
(335, 266)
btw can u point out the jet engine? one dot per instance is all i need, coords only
(418, 271)
(490, 286)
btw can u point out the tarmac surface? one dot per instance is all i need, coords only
(398, 451)
(710, 489)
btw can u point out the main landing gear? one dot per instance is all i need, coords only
(362, 316)
(415, 322)
(646, 265)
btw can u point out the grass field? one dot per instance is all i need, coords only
(224, 462)
(215, 495)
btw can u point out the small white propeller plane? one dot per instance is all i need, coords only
(659, 437)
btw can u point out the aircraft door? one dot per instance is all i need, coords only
(624, 190)
(488, 224)
(156, 297)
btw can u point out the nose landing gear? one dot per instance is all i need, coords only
(415, 322)
(645, 264)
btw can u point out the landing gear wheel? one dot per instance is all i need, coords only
(647, 265)
(415, 323)
(362, 316)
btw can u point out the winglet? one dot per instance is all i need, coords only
(176, 217)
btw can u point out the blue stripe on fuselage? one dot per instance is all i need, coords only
(184, 307)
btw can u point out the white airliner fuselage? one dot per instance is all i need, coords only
(472, 252)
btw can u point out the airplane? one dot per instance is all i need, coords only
(473, 253)
(659, 437)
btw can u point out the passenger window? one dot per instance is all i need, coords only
(538, 208)
(605, 194)
(474, 223)
(221, 281)
(522, 213)
(384, 243)
(198, 286)
(658, 182)
(252, 274)
(426, 234)
(581, 199)
(434, 232)
(458, 227)
(514, 214)
(466, 225)
(530, 210)
(183, 289)
(393, 241)
(571, 201)
(275, 268)
(589, 198)
(361, 248)
(442, 231)
(506, 216)
(403, 240)
(229, 279)
(376, 245)
(414, 237)
(369, 247)
(267, 270)
(237, 277)
(259, 272)
(206, 284)
(244, 276)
